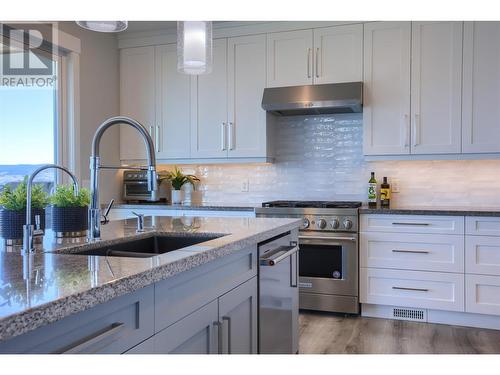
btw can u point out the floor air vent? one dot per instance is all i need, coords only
(418, 315)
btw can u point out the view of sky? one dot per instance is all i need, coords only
(26, 125)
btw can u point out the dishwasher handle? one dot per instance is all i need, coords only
(273, 257)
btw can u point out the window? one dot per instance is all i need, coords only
(29, 123)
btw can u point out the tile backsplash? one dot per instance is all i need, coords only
(321, 158)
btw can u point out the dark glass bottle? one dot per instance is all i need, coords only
(385, 194)
(372, 191)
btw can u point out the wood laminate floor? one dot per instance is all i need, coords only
(324, 333)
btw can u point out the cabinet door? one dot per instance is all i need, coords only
(386, 108)
(137, 98)
(175, 105)
(238, 315)
(338, 54)
(436, 87)
(481, 91)
(290, 58)
(197, 333)
(209, 134)
(246, 83)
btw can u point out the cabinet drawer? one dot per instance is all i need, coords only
(425, 252)
(482, 255)
(412, 224)
(190, 290)
(482, 294)
(478, 225)
(113, 328)
(433, 290)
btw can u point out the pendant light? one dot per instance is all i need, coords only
(104, 26)
(194, 47)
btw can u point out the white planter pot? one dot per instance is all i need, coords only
(177, 196)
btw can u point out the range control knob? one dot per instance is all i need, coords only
(305, 223)
(347, 223)
(335, 223)
(321, 223)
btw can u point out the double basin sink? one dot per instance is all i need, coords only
(147, 247)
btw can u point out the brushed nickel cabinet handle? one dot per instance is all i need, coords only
(228, 320)
(416, 130)
(114, 329)
(218, 325)
(415, 224)
(309, 52)
(157, 138)
(411, 251)
(317, 62)
(231, 131)
(411, 289)
(223, 136)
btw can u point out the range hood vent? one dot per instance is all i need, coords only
(314, 99)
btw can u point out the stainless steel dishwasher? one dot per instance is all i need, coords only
(279, 295)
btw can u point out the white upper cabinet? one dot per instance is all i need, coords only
(481, 91)
(386, 94)
(436, 87)
(175, 105)
(209, 133)
(338, 54)
(137, 98)
(290, 58)
(246, 82)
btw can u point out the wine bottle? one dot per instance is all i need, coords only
(372, 191)
(385, 193)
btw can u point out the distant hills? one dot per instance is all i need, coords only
(16, 173)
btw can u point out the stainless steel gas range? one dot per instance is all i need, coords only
(328, 255)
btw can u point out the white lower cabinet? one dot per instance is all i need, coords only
(425, 252)
(432, 290)
(482, 294)
(482, 255)
(227, 325)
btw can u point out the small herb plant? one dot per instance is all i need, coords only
(15, 199)
(64, 197)
(177, 178)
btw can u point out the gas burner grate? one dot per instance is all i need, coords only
(313, 204)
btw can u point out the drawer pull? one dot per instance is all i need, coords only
(411, 251)
(115, 328)
(417, 224)
(412, 289)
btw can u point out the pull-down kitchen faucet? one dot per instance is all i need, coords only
(95, 166)
(28, 229)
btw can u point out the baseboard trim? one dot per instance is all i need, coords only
(437, 316)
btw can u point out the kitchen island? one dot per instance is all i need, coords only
(54, 301)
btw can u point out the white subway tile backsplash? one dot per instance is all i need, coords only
(321, 158)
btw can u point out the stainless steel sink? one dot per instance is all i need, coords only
(148, 247)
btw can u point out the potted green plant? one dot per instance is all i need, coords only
(178, 179)
(69, 211)
(13, 210)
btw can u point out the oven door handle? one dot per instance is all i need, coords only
(332, 238)
(273, 257)
(135, 182)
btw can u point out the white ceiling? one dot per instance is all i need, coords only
(137, 26)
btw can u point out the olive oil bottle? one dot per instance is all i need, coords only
(372, 191)
(385, 194)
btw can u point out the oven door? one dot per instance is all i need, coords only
(328, 264)
(138, 190)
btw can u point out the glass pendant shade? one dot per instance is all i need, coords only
(104, 26)
(194, 47)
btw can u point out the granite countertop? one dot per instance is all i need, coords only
(50, 284)
(201, 207)
(433, 210)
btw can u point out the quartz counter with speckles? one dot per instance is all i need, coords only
(51, 283)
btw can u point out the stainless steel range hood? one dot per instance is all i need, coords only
(314, 99)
